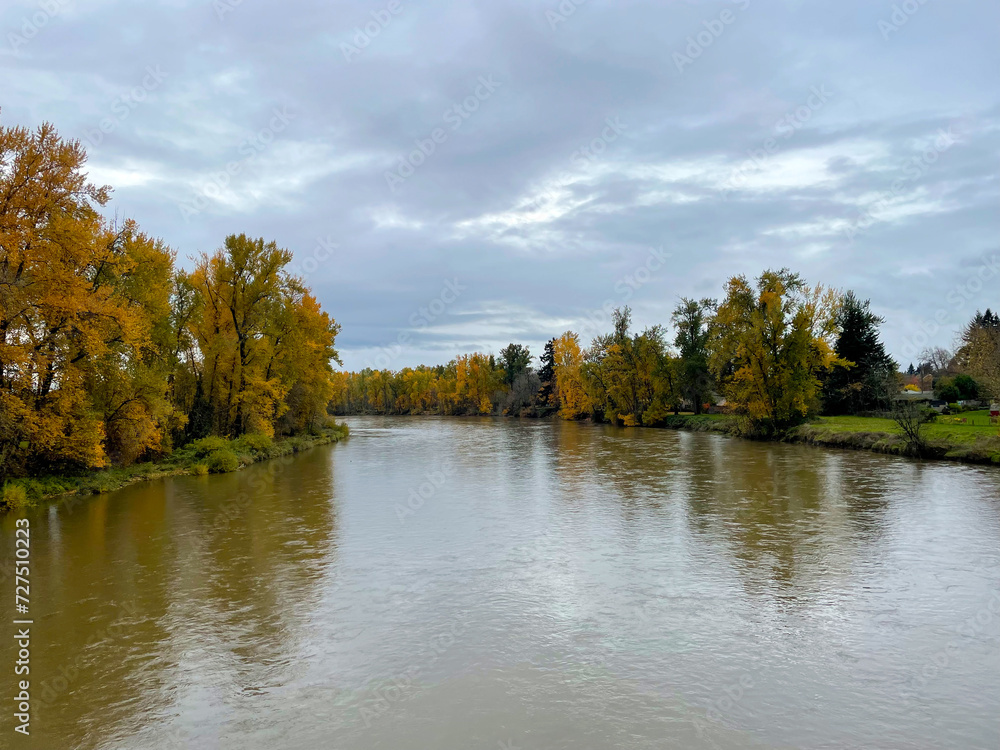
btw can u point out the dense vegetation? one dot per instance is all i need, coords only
(110, 355)
(773, 354)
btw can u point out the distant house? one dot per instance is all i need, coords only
(923, 397)
(919, 396)
(974, 404)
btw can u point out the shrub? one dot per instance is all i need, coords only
(256, 442)
(946, 390)
(199, 470)
(14, 497)
(207, 445)
(968, 388)
(223, 461)
(99, 483)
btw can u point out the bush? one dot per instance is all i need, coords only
(946, 390)
(968, 389)
(99, 483)
(199, 470)
(256, 442)
(207, 445)
(223, 461)
(14, 497)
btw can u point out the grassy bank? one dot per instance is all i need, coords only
(974, 441)
(211, 455)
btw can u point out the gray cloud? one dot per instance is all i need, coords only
(527, 200)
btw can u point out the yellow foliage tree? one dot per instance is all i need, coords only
(476, 380)
(631, 377)
(773, 341)
(573, 399)
(107, 354)
(79, 300)
(265, 344)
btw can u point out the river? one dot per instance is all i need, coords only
(499, 584)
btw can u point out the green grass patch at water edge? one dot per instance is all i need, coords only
(973, 441)
(944, 428)
(700, 423)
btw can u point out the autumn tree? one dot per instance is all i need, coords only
(631, 378)
(775, 339)
(476, 381)
(110, 355)
(569, 388)
(77, 341)
(250, 320)
(300, 354)
(129, 382)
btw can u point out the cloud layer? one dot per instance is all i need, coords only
(455, 176)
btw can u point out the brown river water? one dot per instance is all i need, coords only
(483, 584)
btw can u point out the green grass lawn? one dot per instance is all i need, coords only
(944, 428)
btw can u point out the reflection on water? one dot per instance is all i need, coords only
(485, 583)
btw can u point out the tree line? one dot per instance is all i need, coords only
(111, 354)
(774, 352)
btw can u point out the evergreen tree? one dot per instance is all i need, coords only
(692, 318)
(514, 360)
(547, 374)
(861, 386)
(987, 319)
(979, 354)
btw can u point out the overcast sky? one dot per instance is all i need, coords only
(459, 175)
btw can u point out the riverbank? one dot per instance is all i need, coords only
(211, 455)
(946, 440)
